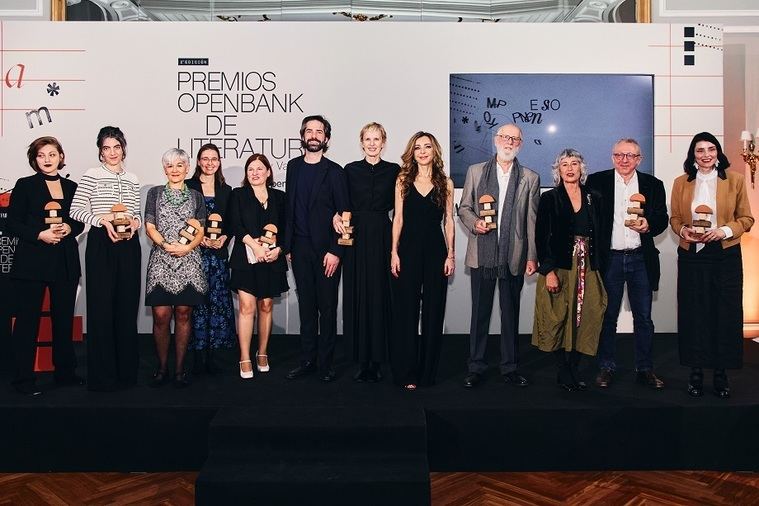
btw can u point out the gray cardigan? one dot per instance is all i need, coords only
(522, 220)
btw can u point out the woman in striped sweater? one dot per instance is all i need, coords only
(112, 265)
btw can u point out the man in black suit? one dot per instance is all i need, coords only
(629, 256)
(316, 190)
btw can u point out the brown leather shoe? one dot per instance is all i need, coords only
(649, 379)
(603, 380)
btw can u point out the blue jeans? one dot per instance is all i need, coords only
(631, 269)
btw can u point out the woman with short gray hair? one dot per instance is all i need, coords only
(174, 220)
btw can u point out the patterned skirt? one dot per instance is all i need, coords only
(213, 323)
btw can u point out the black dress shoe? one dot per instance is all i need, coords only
(696, 384)
(603, 380)
(375, 375)
(328, 376)
(69, 380)
(472, 379)
(28, 389)
(516, 379)
(567, 386)
(160, 378)
(649, 379)
(181, 380)
(721, 385)
(361, 376)
(304, 369)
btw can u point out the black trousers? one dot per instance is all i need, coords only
(509, 295)
(29, 295)
(414, 356)
(113, 297)
(317, 304)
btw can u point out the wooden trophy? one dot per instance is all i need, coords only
(635, 210)
(53, 214)
(213, 226)
(346, 239)
(188, 233)
(704, 221)
(121, 221)
(488, 212)
(270, 236)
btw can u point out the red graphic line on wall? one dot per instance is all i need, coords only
(687, 75)
(56, 80)
(689, 106)
(30, 108)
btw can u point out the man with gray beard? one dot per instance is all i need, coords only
(502, 255)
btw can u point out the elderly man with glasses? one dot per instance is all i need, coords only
(501, 251)
(628, 256)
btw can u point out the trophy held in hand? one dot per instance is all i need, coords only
(190, 231)
(635, 210)
(121, 221)
(346, 239)
(213, 226)
(704, 221)
(270, 236)
(53, 214)
(488, 212)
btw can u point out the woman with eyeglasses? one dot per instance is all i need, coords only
(569, 298)
(213, 322)
(112, 264)
(710, 213)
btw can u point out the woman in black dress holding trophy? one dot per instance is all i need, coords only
(421, 259)
(174, 218)
(256, 216)
(106, 195)
(47, 256)
(366, 281)
(213, 323)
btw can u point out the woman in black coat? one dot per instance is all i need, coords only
(259, 269)
(47, 256)
(213, 323)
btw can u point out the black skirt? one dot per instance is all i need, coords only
(261, 281)
(710, 306)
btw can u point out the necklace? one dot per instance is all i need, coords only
(176, 197)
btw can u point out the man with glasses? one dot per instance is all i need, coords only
(628, 256)
(502, 255)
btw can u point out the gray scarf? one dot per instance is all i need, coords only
(493, 247)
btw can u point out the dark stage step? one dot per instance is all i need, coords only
(316, 455)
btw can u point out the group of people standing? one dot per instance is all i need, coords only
(578, 236)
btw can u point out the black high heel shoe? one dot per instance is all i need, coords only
(696, 383)
(160, 378)
(181, 380)
(721, 384)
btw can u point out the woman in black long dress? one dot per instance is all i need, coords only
(213, 323)
(366, 282)
(421, 259)
(259, 271)
(47, 256)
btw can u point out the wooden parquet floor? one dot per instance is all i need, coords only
(665, 488)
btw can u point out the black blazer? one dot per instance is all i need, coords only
(328, 196)
(655, 210)
(221, 199)
(246, 217)
(554, 239)
(35, 259)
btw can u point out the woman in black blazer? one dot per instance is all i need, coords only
(569, 297)
(47, 256)
(259, 271)
(213, 323)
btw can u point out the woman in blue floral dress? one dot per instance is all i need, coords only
(213, 323)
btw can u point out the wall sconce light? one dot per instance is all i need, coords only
(749, 153)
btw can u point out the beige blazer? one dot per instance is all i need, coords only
(733, 208)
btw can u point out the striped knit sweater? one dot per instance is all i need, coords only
(100, 189)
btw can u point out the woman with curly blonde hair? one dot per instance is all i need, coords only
(421, 259)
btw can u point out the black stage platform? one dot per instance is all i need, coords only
(287, 435)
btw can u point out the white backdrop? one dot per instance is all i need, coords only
(129, 75)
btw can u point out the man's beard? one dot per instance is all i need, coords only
(508, 156)
(313, 148)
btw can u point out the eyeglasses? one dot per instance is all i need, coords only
(209, 160)
(625, 156)
(508, 138)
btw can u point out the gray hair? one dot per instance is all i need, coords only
(171, 155)
(628, 140)
(569, 153)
